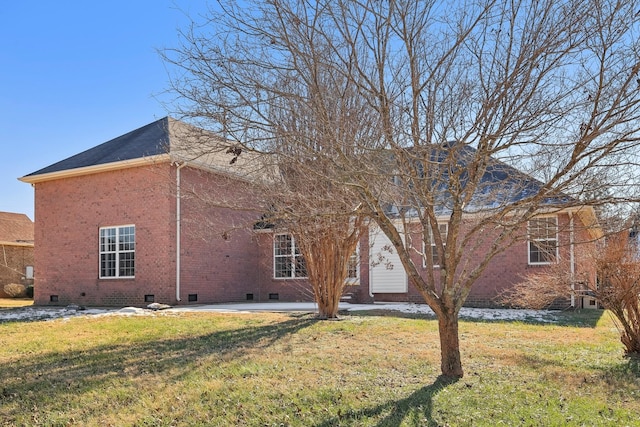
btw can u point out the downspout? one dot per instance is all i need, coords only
(178, 219)
(572, 261)
(370, 270)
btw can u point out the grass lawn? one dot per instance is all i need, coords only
(369, 369)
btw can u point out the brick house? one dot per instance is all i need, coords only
(16, 250)
(114, 227)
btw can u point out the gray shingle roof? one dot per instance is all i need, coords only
(500, 184)
(149, 140)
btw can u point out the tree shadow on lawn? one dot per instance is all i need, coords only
(623, 373)
(60, 375)
(628, 368)
(571, 318)
(418, 406)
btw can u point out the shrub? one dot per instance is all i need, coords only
(15, 290)
(617, 261)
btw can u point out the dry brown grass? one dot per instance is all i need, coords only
(15, 302)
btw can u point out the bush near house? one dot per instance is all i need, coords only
(16, 290)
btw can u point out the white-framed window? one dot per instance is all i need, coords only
(117, 251)
(443, 228)
(288, 262)
(353, 267)
(542, 240)
(28, 272)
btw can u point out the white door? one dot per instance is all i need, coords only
(386, 274)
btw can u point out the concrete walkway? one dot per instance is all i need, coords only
(45, 313)
(276, 307)
(404, 307)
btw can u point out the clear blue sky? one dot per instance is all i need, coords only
(74, 74)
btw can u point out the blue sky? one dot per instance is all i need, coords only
(74, 74)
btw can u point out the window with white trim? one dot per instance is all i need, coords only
(28, 272)
(117, 252)
(288, 262)
(353, 267)
(443, 228)
(543, 240)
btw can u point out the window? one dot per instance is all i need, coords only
(353, 268)
(117, 251)
(543, 240)
(287, 259)
(443, 229)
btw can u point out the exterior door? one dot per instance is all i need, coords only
(386, 274)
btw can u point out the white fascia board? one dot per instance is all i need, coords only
(87, 170)
(22, 244)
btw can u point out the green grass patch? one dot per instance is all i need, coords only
(269, 369)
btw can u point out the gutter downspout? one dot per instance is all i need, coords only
(572, 261)
(178, 220)
(369, 232)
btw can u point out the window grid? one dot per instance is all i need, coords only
(443, 229)
(117, 252)
(288, 262)
(353, 267)
(543, 240)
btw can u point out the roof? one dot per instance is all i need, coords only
(15, 229)
(166, 139)
(499, 185)
(149, 140)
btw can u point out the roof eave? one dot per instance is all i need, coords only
(106, 167)
(23, 244)
(587, 215)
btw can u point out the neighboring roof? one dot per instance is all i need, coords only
(149, 140)
(15, 229)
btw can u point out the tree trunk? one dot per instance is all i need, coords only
(451, 363)
(328, 307)
(328, 280)
(327, 251)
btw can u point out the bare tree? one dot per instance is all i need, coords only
(326, 223)
(446, 99)
(298, 186)
(312, 202)
(541, 289)
(316, 224)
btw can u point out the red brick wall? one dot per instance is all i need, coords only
(222, 258)
(69, 213)
(505, 269)
(300, 289)
(220, 255)
(285, 289)
(219, 251)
